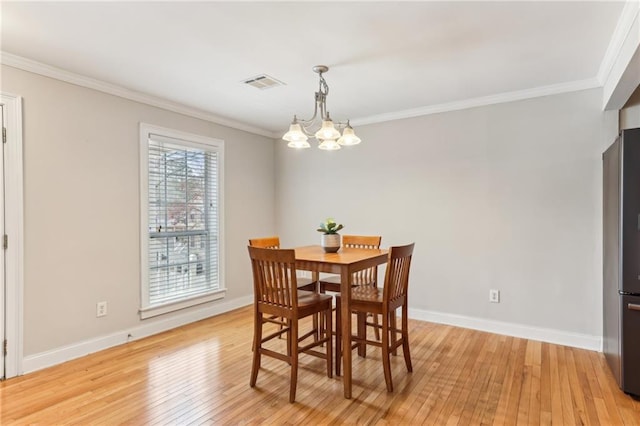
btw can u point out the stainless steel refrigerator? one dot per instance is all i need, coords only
(621, 284)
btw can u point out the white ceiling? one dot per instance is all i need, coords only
(386, 58)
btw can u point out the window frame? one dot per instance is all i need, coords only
(189, 140)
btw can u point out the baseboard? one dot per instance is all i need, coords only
(66, 353)
(52, 357)
(559, 337)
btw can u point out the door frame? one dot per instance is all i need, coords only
(14, 228)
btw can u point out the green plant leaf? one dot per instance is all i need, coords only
(329, 226)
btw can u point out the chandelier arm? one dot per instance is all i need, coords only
(307, 126)
(309, 121)
(306, 130)
(323, 109)
(310, 126)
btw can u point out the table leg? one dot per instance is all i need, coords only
(345, 292)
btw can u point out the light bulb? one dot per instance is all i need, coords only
(298, 144)
(295, 135)
(329, 145)
(349, 137)
(327, 131)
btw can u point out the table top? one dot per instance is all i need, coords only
(345, 256)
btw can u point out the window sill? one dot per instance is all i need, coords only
(152, 311)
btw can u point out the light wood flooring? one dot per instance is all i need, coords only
(199, 374)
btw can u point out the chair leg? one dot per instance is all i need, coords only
(338, 337)
(317, 322)
(328, 333)
(289, 338)
(293, 344)
(376, 331)
(316, 318)
(362, 333)
(405, 339)
(257, 337)
(394, 333)
(386, 361)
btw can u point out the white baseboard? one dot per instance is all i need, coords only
(559, 337)
(66, 353)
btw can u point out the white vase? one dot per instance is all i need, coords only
(330, 242)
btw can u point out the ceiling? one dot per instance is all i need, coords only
(386, 59)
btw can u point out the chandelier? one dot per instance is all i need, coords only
(320, 126)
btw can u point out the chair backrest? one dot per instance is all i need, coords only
(369, 275)
(274, 278)
(362, 241)
(267, 242)
(396, 279)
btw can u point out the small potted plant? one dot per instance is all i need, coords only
(330, 240)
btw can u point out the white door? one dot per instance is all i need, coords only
(11, 224)
(3, 286)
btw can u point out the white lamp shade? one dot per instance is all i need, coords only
(295, 135)
(327, 131)
(298, 144)
(349, 137)
(329, 145)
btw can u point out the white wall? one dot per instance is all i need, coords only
(501, 197)
(81, 190)
(505, 196)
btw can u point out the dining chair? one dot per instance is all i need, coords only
(303, 283)
(274, 243)
(384, 302)
(278, 300)
(367, 277)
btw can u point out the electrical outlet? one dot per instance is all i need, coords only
(494, 296)
(101, 309)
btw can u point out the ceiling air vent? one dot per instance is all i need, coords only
(263, 81)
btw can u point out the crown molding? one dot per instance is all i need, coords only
(623, 76)
(536, 92)
(625, 23)
(80, 80)
(30, 65)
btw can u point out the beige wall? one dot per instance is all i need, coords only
(504, 196)
(501, 197)
(81, 190)
(630, 113)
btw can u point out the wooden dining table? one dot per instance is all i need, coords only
(345, 262)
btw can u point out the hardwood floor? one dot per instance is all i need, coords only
(199, 374)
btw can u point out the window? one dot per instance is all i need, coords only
(181, 209)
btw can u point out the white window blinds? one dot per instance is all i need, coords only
(183, 221)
